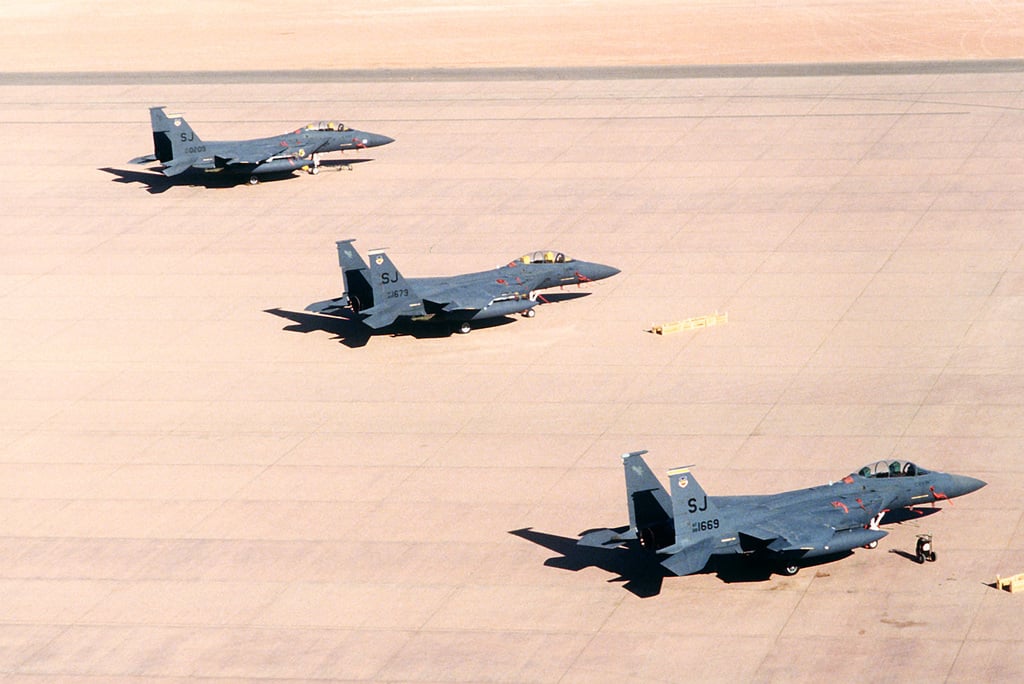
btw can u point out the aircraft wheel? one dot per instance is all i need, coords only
(463, 328)
(529, 313)
(253, 180)
(920, 558)
(931, 557)
(315, 170)
(790, 570)
(872, 545)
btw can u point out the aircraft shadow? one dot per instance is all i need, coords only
(641, 574)
(157, 183)
(904, 554)
(558, 297)
(902, 515)
(352, 333)
(735, 569)
(340, 164)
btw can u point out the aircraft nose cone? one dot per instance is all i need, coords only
(965, 485)
(374, 140)
(591, 271)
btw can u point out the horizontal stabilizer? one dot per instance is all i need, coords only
(328, 305)
(178, 166)
(144, 159)
(380, 319)
(606, 539)
(689, 560)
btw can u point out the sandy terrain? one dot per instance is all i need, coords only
(77, 35)
(199, 482)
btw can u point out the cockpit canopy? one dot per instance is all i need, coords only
(327, 126)
(542, 257)
(891, 468)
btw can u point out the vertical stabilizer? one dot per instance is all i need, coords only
(650, 508)
(173, 138)
(695, 515)
(356, 276)
(393, 296)
(697, 523)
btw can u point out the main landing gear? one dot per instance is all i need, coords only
(529, 313)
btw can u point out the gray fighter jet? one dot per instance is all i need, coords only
(382, 296)
(687, 527)
(178, 148)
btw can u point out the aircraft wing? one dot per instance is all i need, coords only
(799, 527)
(784, 536)
(470, 298)
(463, 304)
(257, 153)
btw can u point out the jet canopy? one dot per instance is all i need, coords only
(327, 126)
(542, 257)
(891, 468)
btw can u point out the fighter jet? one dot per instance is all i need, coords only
(686, 528)
(381, 296)
(178, 148)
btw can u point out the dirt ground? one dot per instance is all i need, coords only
(70, 35)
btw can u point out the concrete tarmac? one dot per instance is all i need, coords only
(199, 481)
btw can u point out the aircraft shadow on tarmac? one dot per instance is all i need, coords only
(903, 515)
(641, 573)
(558, 297)
(156, 183)
(352, 333)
